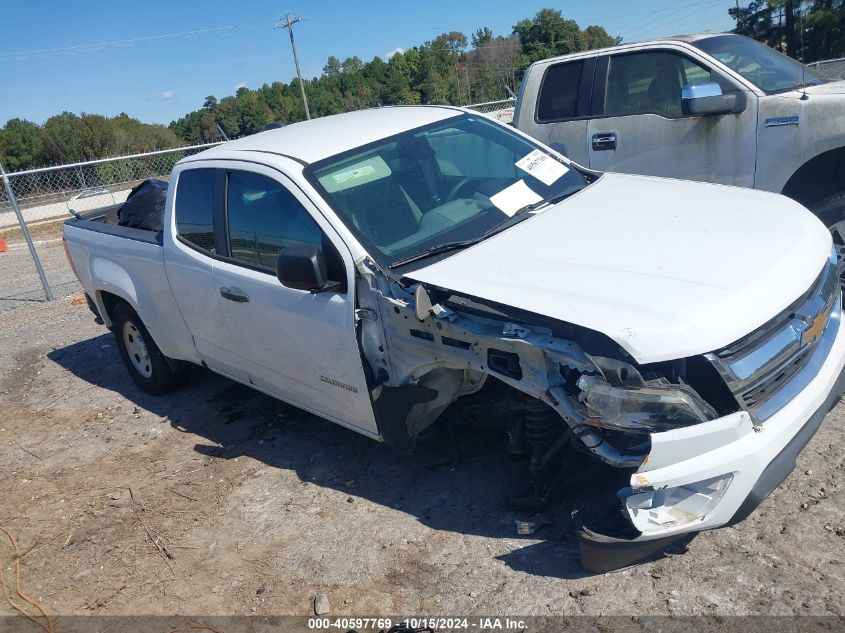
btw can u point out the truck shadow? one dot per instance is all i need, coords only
(455, 481)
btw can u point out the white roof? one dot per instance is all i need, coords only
(311, 141)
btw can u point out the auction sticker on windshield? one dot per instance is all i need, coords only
(512, 199)
(542, 166)
(355, 174)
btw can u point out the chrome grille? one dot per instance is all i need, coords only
(759, 366)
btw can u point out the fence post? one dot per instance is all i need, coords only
(14, 202)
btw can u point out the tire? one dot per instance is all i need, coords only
(831, 211)
(147, 366)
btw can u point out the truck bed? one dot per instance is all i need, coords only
(104, 220)
(117, 262)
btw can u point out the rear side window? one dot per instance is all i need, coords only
(264, 218)
(559, 93)
(195, 208)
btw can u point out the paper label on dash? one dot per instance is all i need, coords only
(542, 166)
(512, 199)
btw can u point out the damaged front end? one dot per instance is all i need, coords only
(572, 398)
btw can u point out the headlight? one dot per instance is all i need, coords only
(656, 406)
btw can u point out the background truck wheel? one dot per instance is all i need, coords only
(147, 366)
(831, 211)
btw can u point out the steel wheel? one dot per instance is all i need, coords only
(136, 347)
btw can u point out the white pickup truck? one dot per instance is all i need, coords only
(375, 267)
(716, 108)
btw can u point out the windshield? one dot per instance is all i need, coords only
(767, 69)
(442, 183)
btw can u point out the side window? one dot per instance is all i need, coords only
(559, 92)
(695, 74)
(195, 208)
(650, 83)
(264, 218)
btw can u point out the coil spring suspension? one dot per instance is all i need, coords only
(540, 426)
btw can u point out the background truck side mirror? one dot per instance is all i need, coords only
(303, 268)
(704, 99)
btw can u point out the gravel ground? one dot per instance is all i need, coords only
(217, 500)
(19, 283)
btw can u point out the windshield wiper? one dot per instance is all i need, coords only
(435, 250)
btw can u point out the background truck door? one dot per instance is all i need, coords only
(639, 128)
(299, 346)
(563, 104)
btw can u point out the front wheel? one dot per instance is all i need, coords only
(831, 211)
(147, 366)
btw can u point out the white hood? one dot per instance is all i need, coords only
(666, 268)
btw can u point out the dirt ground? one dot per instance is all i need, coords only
(217, 500)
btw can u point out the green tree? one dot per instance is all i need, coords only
(547, 35)
(332, 67)
(596, 37)
(808, 30)
(255, 114)
(20, 145)
(481, 36)
(210, 103)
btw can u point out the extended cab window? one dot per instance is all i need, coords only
(559, 93)
(650, 83)
(263, 218)
(195, 208)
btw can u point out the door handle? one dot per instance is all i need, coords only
(234, 294)
(604, 142)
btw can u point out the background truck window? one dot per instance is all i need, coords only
(559, 93)
(195, 208)
(650, 83)
(263, 218)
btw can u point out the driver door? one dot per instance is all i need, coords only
(294, 344)
(642, 129)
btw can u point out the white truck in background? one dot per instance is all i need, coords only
(378, 267)
(717, 108)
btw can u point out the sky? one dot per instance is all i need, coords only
(157, 60)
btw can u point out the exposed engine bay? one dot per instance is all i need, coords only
(572, 399)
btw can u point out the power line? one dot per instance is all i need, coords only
(659, 17)
(95, 47)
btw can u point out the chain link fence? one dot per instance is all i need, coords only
(501, 110)
(832, 68)
(35, 267)
(50, 193)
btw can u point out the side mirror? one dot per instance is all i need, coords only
(705, 99)
(304, 268)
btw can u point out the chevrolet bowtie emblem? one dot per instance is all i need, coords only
(815, 327)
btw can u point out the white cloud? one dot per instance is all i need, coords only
(166, 95)
(241, 85)
(395, 51)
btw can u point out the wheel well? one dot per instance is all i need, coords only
(818, 178)
(109, 301)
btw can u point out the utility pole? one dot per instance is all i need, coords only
(289, 26)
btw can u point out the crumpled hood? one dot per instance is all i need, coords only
(666, 268)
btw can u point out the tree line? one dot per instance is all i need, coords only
(451, 69)
(808, 30)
